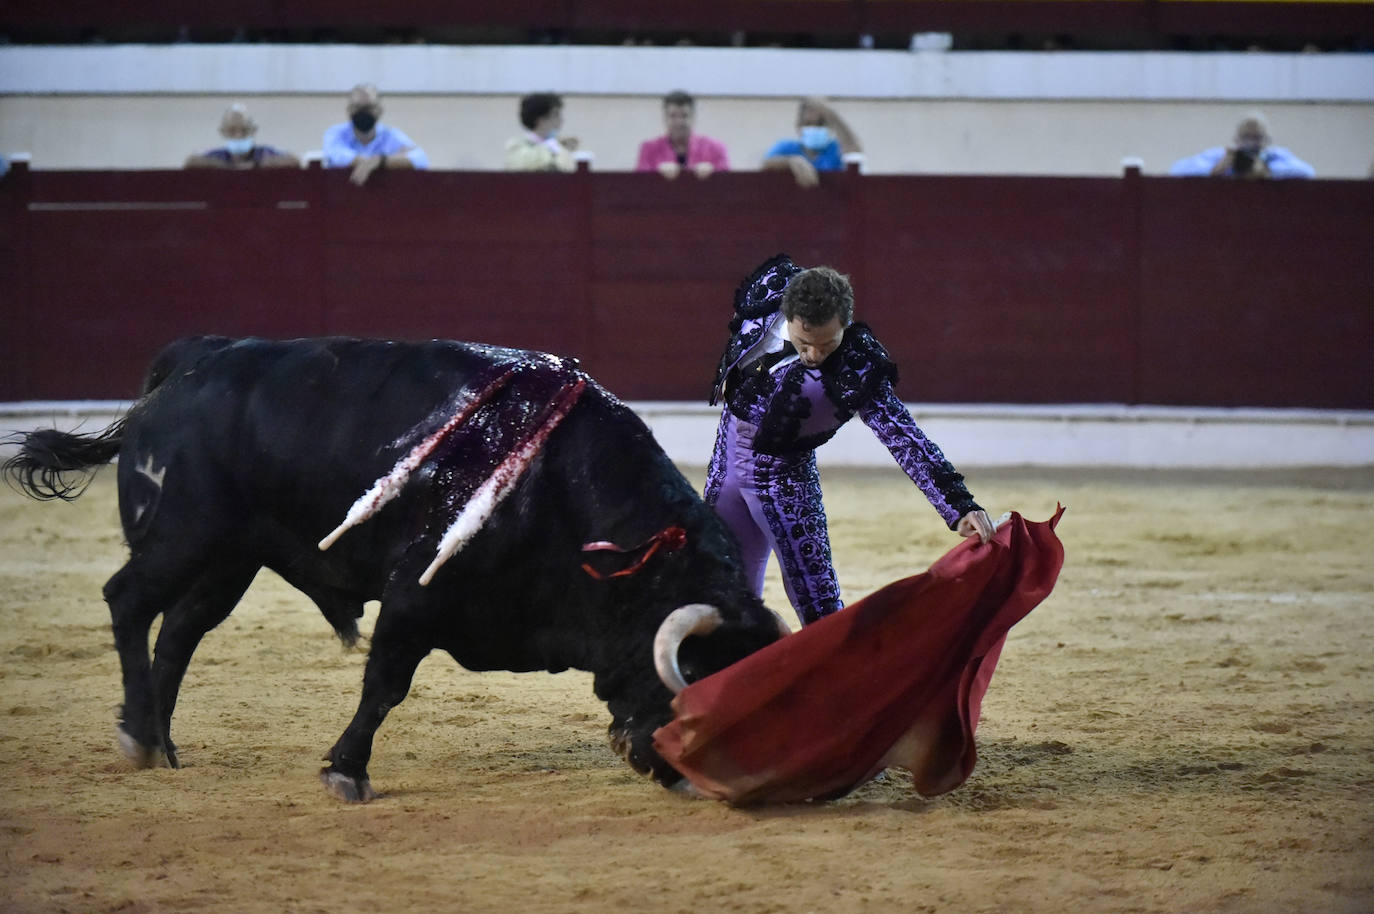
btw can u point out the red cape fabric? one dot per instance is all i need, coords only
(896, 679)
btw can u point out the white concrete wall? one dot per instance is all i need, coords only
(1145, 437)
(964, 113)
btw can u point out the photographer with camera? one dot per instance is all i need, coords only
(1250, 157)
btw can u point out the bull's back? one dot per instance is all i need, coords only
(294, 430)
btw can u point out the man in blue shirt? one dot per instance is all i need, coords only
(366, 144)
(824, 139)
(1251, 157)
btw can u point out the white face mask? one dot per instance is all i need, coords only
(816, 137)
(239, 146)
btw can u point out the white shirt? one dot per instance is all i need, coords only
(771, 341)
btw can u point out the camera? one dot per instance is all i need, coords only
(1242, 163)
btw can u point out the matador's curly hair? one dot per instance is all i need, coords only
(819, 295)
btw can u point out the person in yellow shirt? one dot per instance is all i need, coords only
(540, 148)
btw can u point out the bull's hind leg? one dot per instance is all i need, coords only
(397, 649)
(206, 605)
(135, 597)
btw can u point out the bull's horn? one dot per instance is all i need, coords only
(692, 619)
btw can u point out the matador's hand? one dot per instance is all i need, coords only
(976, 523)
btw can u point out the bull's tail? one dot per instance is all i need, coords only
(56, 464)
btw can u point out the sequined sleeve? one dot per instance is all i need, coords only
(756, 299)
(918, 456)
(715, 470)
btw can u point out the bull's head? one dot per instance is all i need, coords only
(694, 641)
(681, 624)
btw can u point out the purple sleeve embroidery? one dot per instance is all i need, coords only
(918, 456)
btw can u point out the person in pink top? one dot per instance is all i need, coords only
(680, 149)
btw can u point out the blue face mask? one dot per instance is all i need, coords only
(816, 137)
(239, 146)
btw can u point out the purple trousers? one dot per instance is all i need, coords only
(773, 504)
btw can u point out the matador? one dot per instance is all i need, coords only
(798, 367)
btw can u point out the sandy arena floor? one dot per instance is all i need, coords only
(1186, 724)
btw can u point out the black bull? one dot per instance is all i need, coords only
(245, 454)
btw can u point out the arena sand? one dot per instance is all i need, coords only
(1186, 724)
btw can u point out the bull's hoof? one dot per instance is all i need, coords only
(343, 787)
(142, 756)
(686, 788)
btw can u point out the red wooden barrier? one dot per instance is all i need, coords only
(1004, 290)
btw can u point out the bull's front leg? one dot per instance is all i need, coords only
(386, 681)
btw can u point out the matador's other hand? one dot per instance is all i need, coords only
(976, 523)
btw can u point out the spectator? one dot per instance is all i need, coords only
(680, 148)
(1251, 157)
(241, 149)
(367, 144)
(539, 148)
(824, 140)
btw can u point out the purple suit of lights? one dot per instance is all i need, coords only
(763, 480)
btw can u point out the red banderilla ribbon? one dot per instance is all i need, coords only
(669, 538)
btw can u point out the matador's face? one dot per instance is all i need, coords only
(815, 342)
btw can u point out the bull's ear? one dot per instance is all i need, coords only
(681, 623)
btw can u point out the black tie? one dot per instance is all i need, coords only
(767, 362)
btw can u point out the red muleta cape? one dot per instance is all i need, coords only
(896, 679)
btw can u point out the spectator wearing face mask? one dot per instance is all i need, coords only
(823, 140)
(365, 144)
(241, 150)
(1250, 156)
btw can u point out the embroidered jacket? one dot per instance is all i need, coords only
(795, 409)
